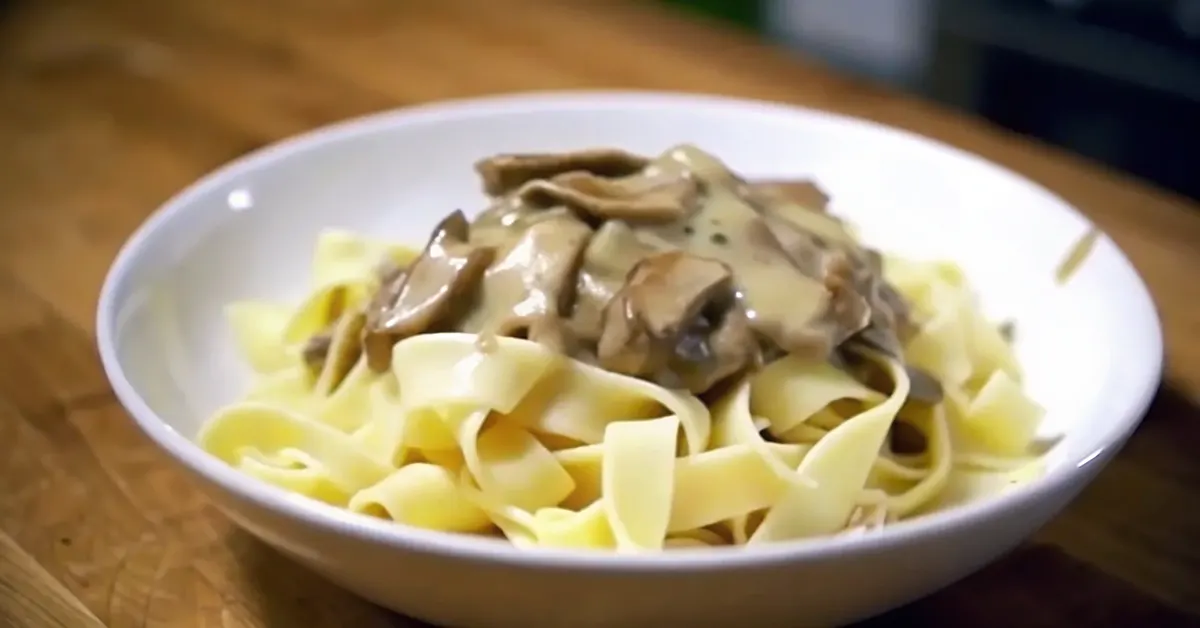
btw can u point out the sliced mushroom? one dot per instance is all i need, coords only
(388, 271)
(677, 322)
(501, 221)
(778, 205)
(805, 250)
(889, 309)
(378, 344)
(344, 351)
(527, 291)
(801, 192)
(862, 304)
(624, 346)
(731, 348)
(796, 318)
(886, 332)
(653, 198)
(891, 326)
(504, 173)
(848, 311)
(435, 290)
(888, 306)
(315, 350)
(610, 255)
(667, 291)
(880, 334)
(923, 387)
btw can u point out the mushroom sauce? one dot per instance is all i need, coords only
(671, 269)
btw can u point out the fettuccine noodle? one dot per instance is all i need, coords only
(496, 435)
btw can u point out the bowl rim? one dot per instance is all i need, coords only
(279, 502)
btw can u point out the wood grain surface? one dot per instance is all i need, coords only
(109, 106)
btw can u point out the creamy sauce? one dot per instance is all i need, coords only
(523, 289)
(776, 294)
(566, 234)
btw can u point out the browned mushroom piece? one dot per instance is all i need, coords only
(528, 290)
(315, 349)
(669, 290)
(924, 387)
(790, 208)
(378, 345)
(889, 311)
(730, 348)
(624, 346)
(388, 271)
(863, 307)
(677, 321)
(886, 332)
(504, 173)
(802, 192)
(438, 288)
(805, 250)
(610, 255)
(822, 306)
(881, 339)
(888, 327)
(891, 326)
(343, 352)
(848, 311)
(647, 198)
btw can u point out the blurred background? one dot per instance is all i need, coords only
(1115, 80)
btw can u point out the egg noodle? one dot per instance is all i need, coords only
(552, 452)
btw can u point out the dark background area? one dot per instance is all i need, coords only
(1114, 80)
(1117, 81)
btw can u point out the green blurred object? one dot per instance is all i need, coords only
(744, 13)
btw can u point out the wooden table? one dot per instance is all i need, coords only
(109, 106)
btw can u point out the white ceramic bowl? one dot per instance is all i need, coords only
(1092, 349)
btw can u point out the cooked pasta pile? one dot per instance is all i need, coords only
(499, 434)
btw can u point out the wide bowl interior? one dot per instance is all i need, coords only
(1090, 349)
